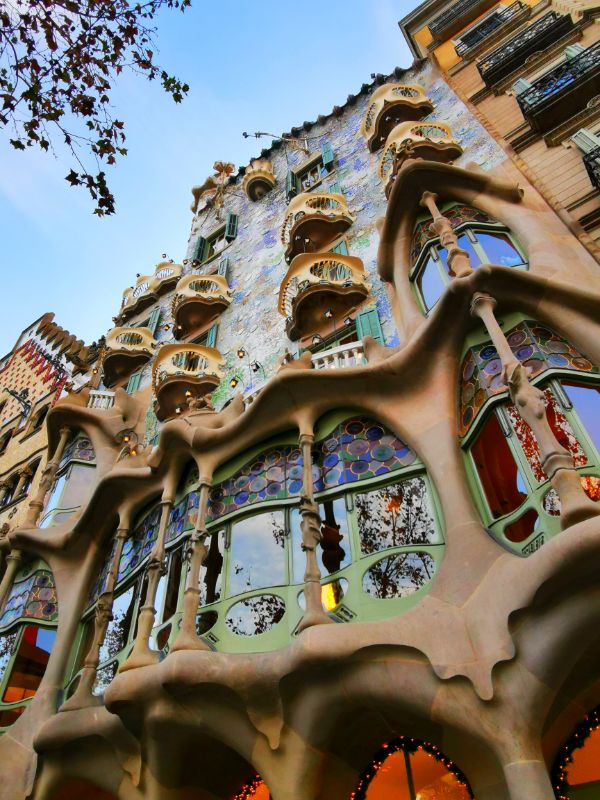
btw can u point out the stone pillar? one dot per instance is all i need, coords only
(458, 259)
(142, 655)
(556, 461)
(311, 536)
(83, 695)
(197, 551)
(49, 474)
(26, 473)
(527, 780)
(13, 561)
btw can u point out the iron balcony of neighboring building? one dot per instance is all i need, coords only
(183, 372)
(498, 22)
(198, 300)
(457, 16)
(389, 105)
(563, 91)
(504, 60)
(592, 164)
(147, 288)
(313, 220)
(126, 350)
(320, 286)
(432, 141)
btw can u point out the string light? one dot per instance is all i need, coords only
(249, 789)
(407, 745)
(584, 729)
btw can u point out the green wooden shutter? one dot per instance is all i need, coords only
(368, 324)
(341, 248)
(231, 227)
(153, 321)
(327, 155)
(335, 188)
(223, 267)
(291, 188)
(211, 335)
(133, 382)
(199, 249)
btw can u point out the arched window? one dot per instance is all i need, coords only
(576, 771)
(485, 240)
(381, 543)
(4, 440)
(10, 488)
(30, 475)
(72, 484)
(409, 769)
(27, 633)
(39, 418)
(516, 500)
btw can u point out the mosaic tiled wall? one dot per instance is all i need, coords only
(256, 260)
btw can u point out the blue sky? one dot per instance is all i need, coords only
(251, 66)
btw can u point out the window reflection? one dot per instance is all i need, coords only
(334, 549)
(499, 249)
(394, 516)
(586, 402)
(29, 664)
(255, 615)
(465, 244)
(398, 575)
(119, 627)
(7, 643)
(430, 284)
(104, 676)
(211, 571)
(257, 552)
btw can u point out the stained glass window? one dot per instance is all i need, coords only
(457, 214)
(139, 544)
(537, 347)
(79, 449)
(32, 598)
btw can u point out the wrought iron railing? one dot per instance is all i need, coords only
(534, 37)
(592, 164)
(472, 38)
(558, 79)
(456, 10)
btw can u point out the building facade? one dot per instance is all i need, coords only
(321, 519)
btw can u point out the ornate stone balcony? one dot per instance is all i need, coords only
(148, 287)
(312, 221)
(126, 350)
(562, 91)
(198, 300)
(259, 179)
(182, 372)
(504, 60)
(457, 16)
(429, 140)
(316, 283)
(390, 104)
(592, 164)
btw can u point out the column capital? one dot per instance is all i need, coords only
(482, 300)
(306, 438)
(429, 201)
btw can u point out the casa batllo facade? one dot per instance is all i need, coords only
(323, 522)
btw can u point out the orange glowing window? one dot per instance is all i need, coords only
(30, 663)
(576, 772)
(412, 771)
(254, 790)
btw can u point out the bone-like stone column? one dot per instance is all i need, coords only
(458, 259)
(83, 695)
(187, 638)
(49, 474)
(13, 561)
(528, 779)
(310, 526)
(142, 655)
(26, 473)
(556, 461)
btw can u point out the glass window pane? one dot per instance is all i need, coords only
(172, 592)
(255, 615)
(211, 571)
(257, 552)
(7, 643)
(465, 243)
(30, 663)
(497, 469)
(394, 516)
(391, 781)
(499, 249)
(586, 402)
(398, 575)
(118, 628)
(334, 550)
(430, 284)
(432, 780)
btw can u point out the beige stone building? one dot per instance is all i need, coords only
(321, 521)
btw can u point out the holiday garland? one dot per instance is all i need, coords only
(408, 745)
(248, 790)
(583, 731)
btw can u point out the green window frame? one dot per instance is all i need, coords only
(540, 498)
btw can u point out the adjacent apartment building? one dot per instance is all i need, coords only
(319, 516)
